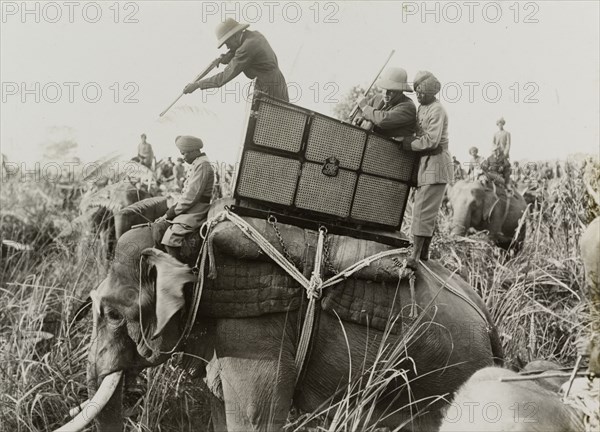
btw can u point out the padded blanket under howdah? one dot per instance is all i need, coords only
(245, 288)
(301, 244)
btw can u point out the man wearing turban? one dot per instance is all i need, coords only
(145, 152)
(502, 139)
(475, 161)
(250, 53)
(435, 166)
(190, 210)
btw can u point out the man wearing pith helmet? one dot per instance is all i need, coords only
(190, 210)
(250, 53)
(435, 166)
(391, 113)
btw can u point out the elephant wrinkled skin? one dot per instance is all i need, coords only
(486, 404)
(251, 360)
(475, 205)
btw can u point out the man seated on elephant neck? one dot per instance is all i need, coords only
(497, 169)
(189, 212)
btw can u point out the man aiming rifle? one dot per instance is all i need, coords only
(250, 53)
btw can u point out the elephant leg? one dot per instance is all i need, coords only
(217, 414)
(257, 372)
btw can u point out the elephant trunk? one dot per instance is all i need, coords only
(461, 220)
(108, 414)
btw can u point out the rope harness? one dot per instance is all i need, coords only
(313, 287)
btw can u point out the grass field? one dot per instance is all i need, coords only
(536, 298)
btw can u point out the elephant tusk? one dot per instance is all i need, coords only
(74, 411)
(94, 406)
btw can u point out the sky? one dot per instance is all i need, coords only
(99, 73)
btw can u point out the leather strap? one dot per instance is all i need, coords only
(436, 151)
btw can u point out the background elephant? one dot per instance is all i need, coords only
(474, 205)
(100, 207)
(251, 368)
(486, 404)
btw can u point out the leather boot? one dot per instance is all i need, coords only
(418, 242)
(425, 251)
(175, 252)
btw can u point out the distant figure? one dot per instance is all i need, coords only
(547, 172)
(502, 139)
(179, 173)
(458, 172)
(145, 153)
(166, 169)
(497, 168)
(475, 161)
(517, 172)
(558, 170)
(250, 53)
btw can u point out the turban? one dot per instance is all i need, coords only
(426, 83)
(188, 143)
(501, 120)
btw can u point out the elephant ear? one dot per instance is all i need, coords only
(171, 276)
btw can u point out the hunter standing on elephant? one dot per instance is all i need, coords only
(250, 53)
(435, 167)
(190, 210)
(502, 139)
(391, 113)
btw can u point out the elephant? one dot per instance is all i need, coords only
(475, 205)
(100, 207)
(251, 367)
(487, 404)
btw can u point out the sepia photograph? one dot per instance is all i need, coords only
(300, 216)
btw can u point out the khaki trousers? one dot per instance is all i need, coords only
(428, 199)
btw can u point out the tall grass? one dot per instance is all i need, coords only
(535, 297)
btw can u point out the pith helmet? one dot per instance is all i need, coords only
(228, 28)
(394, 79)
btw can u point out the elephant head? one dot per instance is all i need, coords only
(471, 205)
(492, 401)
(487, 207)
(135, 311)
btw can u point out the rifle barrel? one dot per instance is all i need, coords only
(355, 110)
(201, 75)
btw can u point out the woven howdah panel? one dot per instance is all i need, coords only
(379, 200)
(329, 138)
(279, 128)
(386, 159)
(325, 194)
(268, 177)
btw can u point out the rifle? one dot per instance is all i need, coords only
(355, 110)
(215, 63)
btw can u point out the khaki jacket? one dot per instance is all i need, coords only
(256, 59)
(198, 185)
(432, 133)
